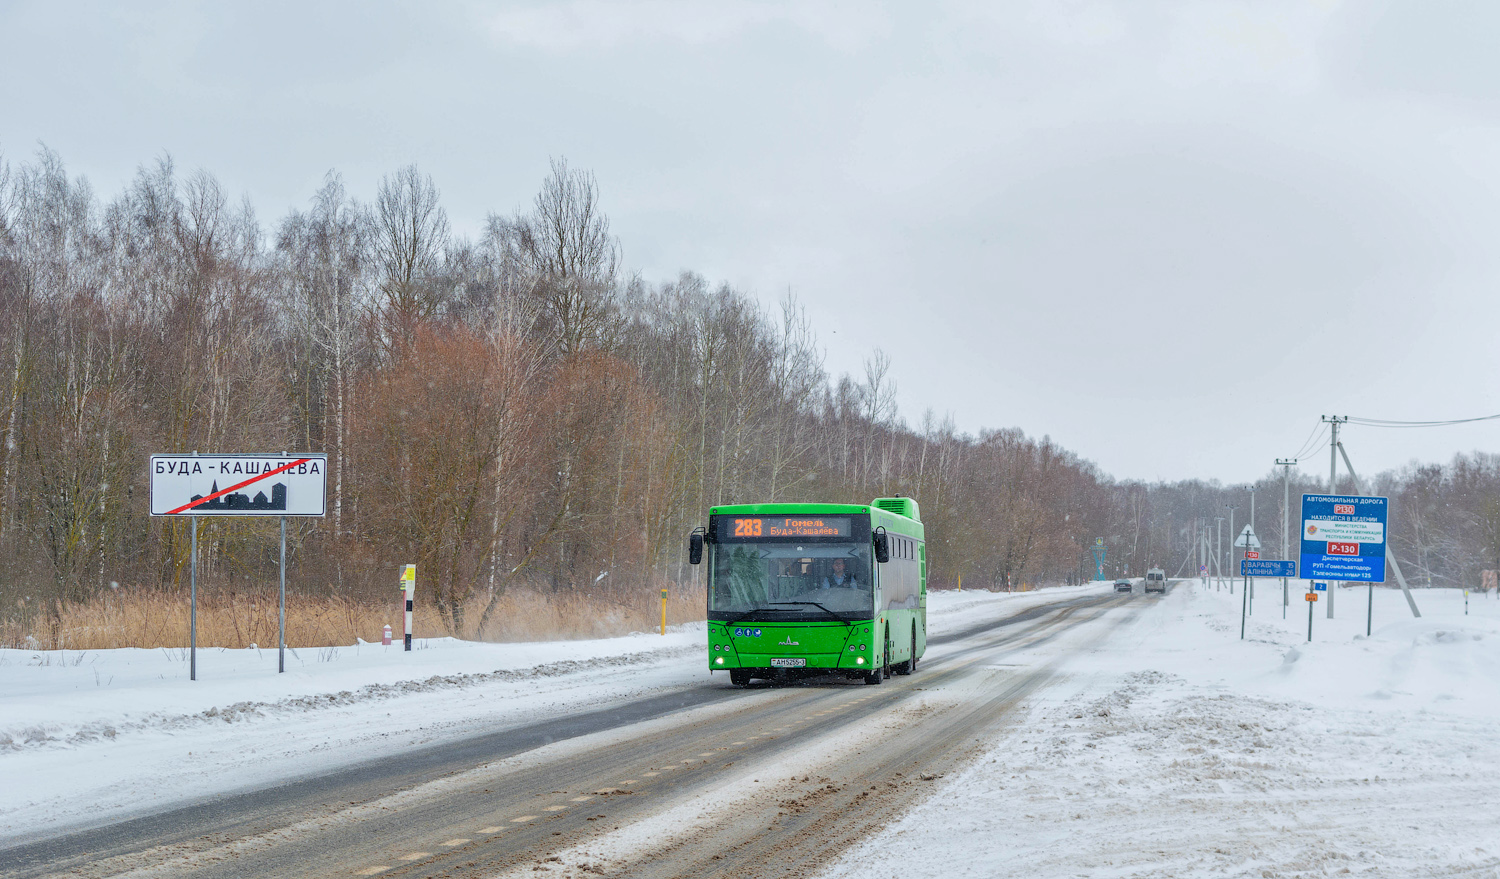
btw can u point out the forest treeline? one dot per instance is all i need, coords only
(512, 410)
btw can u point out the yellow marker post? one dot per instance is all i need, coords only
(664, 611)
(960, 582)
(409, 586)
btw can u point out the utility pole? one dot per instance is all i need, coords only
(1250, 587)
(1333, 465)
(1286, 465)
(1203, 551)
(1230, 559)
(1219, 552)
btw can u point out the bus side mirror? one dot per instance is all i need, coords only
(882, 546)
(695, 548)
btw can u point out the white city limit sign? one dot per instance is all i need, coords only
(239, 485)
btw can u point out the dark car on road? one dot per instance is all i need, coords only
(1124, 585)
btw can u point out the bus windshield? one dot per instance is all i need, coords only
(786, 581)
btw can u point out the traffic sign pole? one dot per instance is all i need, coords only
(193, 601)
(196, 485)
(281, 619)
(1244, 608)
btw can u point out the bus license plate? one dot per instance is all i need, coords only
(789, 663)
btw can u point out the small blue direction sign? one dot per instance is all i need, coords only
(1267, 568)
(1320, 587)
(1343, 537)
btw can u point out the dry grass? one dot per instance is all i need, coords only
(161, 619)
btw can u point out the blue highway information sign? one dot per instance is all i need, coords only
(1343, 537)
(1267, 568)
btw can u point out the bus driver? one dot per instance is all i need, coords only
(839, 578)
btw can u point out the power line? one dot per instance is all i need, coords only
(1381, 422)
(1313, 441)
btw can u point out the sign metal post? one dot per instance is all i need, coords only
(193, 601)
(281, 608)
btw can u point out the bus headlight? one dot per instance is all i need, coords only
(859, 660)
(720, 660)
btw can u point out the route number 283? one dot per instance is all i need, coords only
(747, 527)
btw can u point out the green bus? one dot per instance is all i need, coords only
(802, 590)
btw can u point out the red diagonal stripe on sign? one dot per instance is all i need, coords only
(221, 492)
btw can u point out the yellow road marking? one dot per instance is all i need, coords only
(649, 774)
(581, 799)
(631, 781)
(709, 754)
(371, 871)
(415, 856)
(736, 743)
(452, 842)
(491, 829)
(523, 819)
(554, 809)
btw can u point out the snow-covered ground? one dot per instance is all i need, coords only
(96, 736)
(1171, 748)
(1177, 749)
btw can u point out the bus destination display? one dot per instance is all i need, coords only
(789, 526)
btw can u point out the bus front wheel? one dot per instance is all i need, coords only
(740, 677)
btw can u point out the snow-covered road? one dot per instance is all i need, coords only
(88, 738)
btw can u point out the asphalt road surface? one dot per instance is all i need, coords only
(709, 781)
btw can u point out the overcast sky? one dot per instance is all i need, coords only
(1167, 235)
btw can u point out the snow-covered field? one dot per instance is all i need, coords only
(1179, 750)
(96, 736)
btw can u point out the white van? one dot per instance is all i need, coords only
(1156, 581)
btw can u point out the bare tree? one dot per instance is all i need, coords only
(572, 259)
(328, 269)
(411, 231)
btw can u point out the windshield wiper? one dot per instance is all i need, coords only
(843, 619)
(755, 610)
